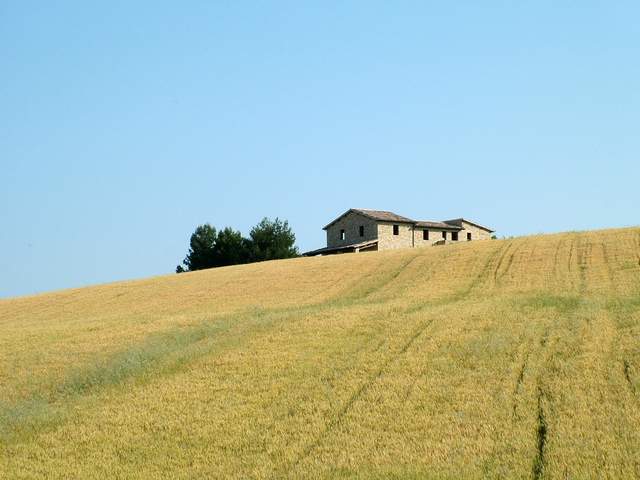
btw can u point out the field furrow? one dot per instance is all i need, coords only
(541, 437)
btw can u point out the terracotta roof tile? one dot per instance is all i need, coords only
(378, 215)
(383, 216)
(442, 225)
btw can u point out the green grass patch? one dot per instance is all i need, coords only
(560, 303)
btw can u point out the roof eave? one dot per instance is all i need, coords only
(365, 214)
(438, 227)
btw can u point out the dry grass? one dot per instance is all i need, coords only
(502, 359)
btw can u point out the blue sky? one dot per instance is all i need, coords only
(123, 125)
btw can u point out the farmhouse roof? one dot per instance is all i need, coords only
(441, 225)
(458, 222)
(378, 215)
(386, 216)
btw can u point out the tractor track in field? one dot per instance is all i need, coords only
(374, 286)
(583, 254)
(609, 267)
(556, 257)
(541, 437)
(500, 275)
(638, 248)
(543, 398)
(544, 351)
(409, 390)
(484, 271)
(523, 369)
(358, 393)
(626, 369)
(540, 460)
(519, 382)
(572, 247)
(428, 268)
(397, 272)
(387, 281)
(557, 273)
(503, 255)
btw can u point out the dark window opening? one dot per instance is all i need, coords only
(454, 236)
(425, 234)
(342, 235)
(444, 235)
(396, 230)
(361, 230)
(468, 236)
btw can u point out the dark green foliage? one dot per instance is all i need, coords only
(272, 239)
(231, 248)
(202, 251)
(269, 240)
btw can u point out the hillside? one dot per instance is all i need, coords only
(509, 358)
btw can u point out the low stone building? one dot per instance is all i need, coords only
(360, 230)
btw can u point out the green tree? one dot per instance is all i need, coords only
(271, 239)
(202, 249)
(268, 240)
(231, 248)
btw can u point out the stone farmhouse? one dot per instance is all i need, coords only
(360, 230)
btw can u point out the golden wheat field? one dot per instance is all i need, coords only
(511, 358)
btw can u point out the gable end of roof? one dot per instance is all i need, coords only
(376, 215)
(458, 222)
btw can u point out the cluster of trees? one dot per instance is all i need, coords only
(268, 240)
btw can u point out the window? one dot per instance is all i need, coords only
(396, 230)
(342, 235)
(444, 235)
(425, 234)
(454, 236)
(361, 229)
(468, 236)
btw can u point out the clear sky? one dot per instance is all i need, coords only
(123, 125)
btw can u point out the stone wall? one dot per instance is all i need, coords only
(434, 235)
(351, 224)
(387, 240)
(476, 233)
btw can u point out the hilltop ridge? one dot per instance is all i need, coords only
(496, 358)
